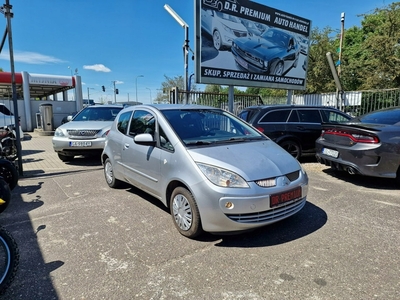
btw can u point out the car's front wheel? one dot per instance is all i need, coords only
(217, 40)
(292, 147)
(185, 213)
(109, 174)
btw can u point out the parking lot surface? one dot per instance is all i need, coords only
(79, 239)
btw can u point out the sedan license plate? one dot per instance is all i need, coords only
(330, 152)
(277, 199)
(80, 144)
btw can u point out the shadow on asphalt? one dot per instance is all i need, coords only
(33, 280)
(93, 162)
(364, 181)
(308, 220)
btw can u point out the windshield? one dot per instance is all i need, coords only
(97, 114)
(209, 126)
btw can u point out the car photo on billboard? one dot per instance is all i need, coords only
(274, 52)
(223, 28)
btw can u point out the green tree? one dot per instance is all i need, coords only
(381, 59)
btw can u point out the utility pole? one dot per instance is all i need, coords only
(6, 10)
(115, 94)
(339, 68)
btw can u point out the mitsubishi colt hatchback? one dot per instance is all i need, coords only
(212, 170)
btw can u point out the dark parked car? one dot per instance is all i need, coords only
(294, 127)
(274, 52)
(367, 145)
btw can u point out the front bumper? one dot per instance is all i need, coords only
(87, 146)
(248, 208)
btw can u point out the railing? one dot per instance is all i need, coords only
(353, 102)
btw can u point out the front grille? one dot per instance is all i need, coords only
(269, 215)
(249, 57)
(83, 133)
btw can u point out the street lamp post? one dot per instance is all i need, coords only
(150, 95)
(136, 85)
(88, 95)
(185, 46)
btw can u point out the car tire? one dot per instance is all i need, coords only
(65, 158)
(185, 213)
(292, 147)
(109, 174)
(217, 40)
(278, 70)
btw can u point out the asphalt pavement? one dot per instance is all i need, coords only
(79, 239)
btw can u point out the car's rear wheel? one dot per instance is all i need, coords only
(185, 213)
(292, 147)
(217, 40)
(65, 158)
(109, 174)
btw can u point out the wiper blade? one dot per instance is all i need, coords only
(198, 143)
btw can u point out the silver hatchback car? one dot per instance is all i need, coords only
(213, 171)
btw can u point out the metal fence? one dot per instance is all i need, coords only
(353, 102)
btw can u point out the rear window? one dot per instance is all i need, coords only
(389, 117)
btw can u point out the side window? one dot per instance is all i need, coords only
(309, 116)
(142, 122)
(123, 122)
(164, 141)
(294, 117)
(275, 116)
(333, 116)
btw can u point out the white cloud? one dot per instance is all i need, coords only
(97, 68)
(119, 82)
(31, 58)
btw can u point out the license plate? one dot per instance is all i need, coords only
(330, 152)
(242, 62)
(80, 144)
(277, 199)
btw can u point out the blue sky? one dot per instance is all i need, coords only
(118, 41)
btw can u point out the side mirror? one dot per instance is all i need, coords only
(145, 139)
(69, 118)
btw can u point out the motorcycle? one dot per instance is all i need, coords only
(8, 147)
(8, 155)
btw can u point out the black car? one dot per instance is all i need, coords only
(274, 52)
(368, 145)
(294, 127)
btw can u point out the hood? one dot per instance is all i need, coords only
(252, 160)
(84, 125)
(257, 44)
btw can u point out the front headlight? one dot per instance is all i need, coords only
(222, 177)
(59, 133)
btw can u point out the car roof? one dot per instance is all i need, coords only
(260, 107)
(162, 107)
(105, 105)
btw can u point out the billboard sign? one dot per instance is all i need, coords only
(243, 43)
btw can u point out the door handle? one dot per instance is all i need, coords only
(126, 146)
